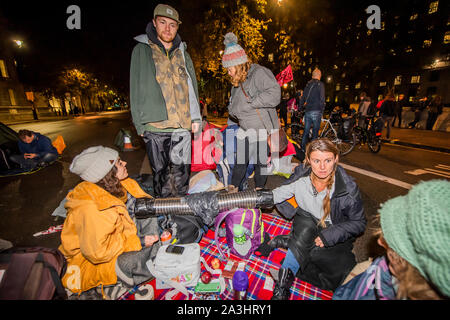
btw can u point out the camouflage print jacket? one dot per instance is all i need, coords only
(163, 87)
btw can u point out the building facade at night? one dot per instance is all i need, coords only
(13, 101)
(409, 55)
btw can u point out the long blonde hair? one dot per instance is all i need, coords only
(241, 73)
(324, 145)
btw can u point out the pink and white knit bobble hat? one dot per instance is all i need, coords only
(234, 54)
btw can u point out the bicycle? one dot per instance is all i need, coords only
(345, 142)
(370, 133)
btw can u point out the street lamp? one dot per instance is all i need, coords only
(19, 43)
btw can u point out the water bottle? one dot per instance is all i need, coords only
(240, 285)
(239, 234)
(166, 237)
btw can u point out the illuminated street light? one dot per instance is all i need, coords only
(19, 43)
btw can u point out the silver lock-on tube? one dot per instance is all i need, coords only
(145, 207)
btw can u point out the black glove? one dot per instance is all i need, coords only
(264, 249)
(264, 198)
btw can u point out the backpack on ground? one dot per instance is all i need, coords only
(32, 273)
(244, 231)
(185, 228)
(176, 270)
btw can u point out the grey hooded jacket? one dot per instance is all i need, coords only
(263, 93)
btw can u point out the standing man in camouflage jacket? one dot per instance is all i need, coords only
(164, 101)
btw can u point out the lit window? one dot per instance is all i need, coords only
(427, 43)
(338, 87)
(408, 49)
(347, 87)
(3, 70)
(12, 97)
(413, 17)
(415, 79)
(358, 85)
(447, 37)
(398, 80)
(369, 32)
(383, 25)
(383, 84)
(433, 7)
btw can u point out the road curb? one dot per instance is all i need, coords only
(415, 145)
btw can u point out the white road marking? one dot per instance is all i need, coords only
(417, 172)
(377, 176)
(445, 174)
(438, 172)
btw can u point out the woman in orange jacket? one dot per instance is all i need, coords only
(99, 238)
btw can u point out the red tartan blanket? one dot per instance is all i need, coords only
(257, 269)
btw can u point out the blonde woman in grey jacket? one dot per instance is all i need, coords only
(254, 97)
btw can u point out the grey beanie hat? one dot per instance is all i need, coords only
(94, 163)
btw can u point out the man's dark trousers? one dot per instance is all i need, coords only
(170, 160)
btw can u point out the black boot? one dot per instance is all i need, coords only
(283, 284)
(280, 241)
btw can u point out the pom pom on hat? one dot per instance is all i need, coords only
(94, 163)
(234, 54)
(230, 39)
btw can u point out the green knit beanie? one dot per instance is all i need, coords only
(417, 227)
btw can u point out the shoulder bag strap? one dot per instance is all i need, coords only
(306, 101)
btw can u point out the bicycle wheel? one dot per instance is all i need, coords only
(297, 136)
(345, 147)
(374, 144)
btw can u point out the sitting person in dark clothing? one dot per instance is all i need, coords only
(327, 217)
(36, 150)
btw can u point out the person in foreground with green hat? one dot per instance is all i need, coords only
(415, 231)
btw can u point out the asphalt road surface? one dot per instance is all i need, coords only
(27, 201)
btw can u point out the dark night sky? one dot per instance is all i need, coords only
(104, 43)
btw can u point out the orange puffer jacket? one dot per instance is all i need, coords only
(96, 231)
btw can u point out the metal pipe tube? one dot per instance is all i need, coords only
(225, 201)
